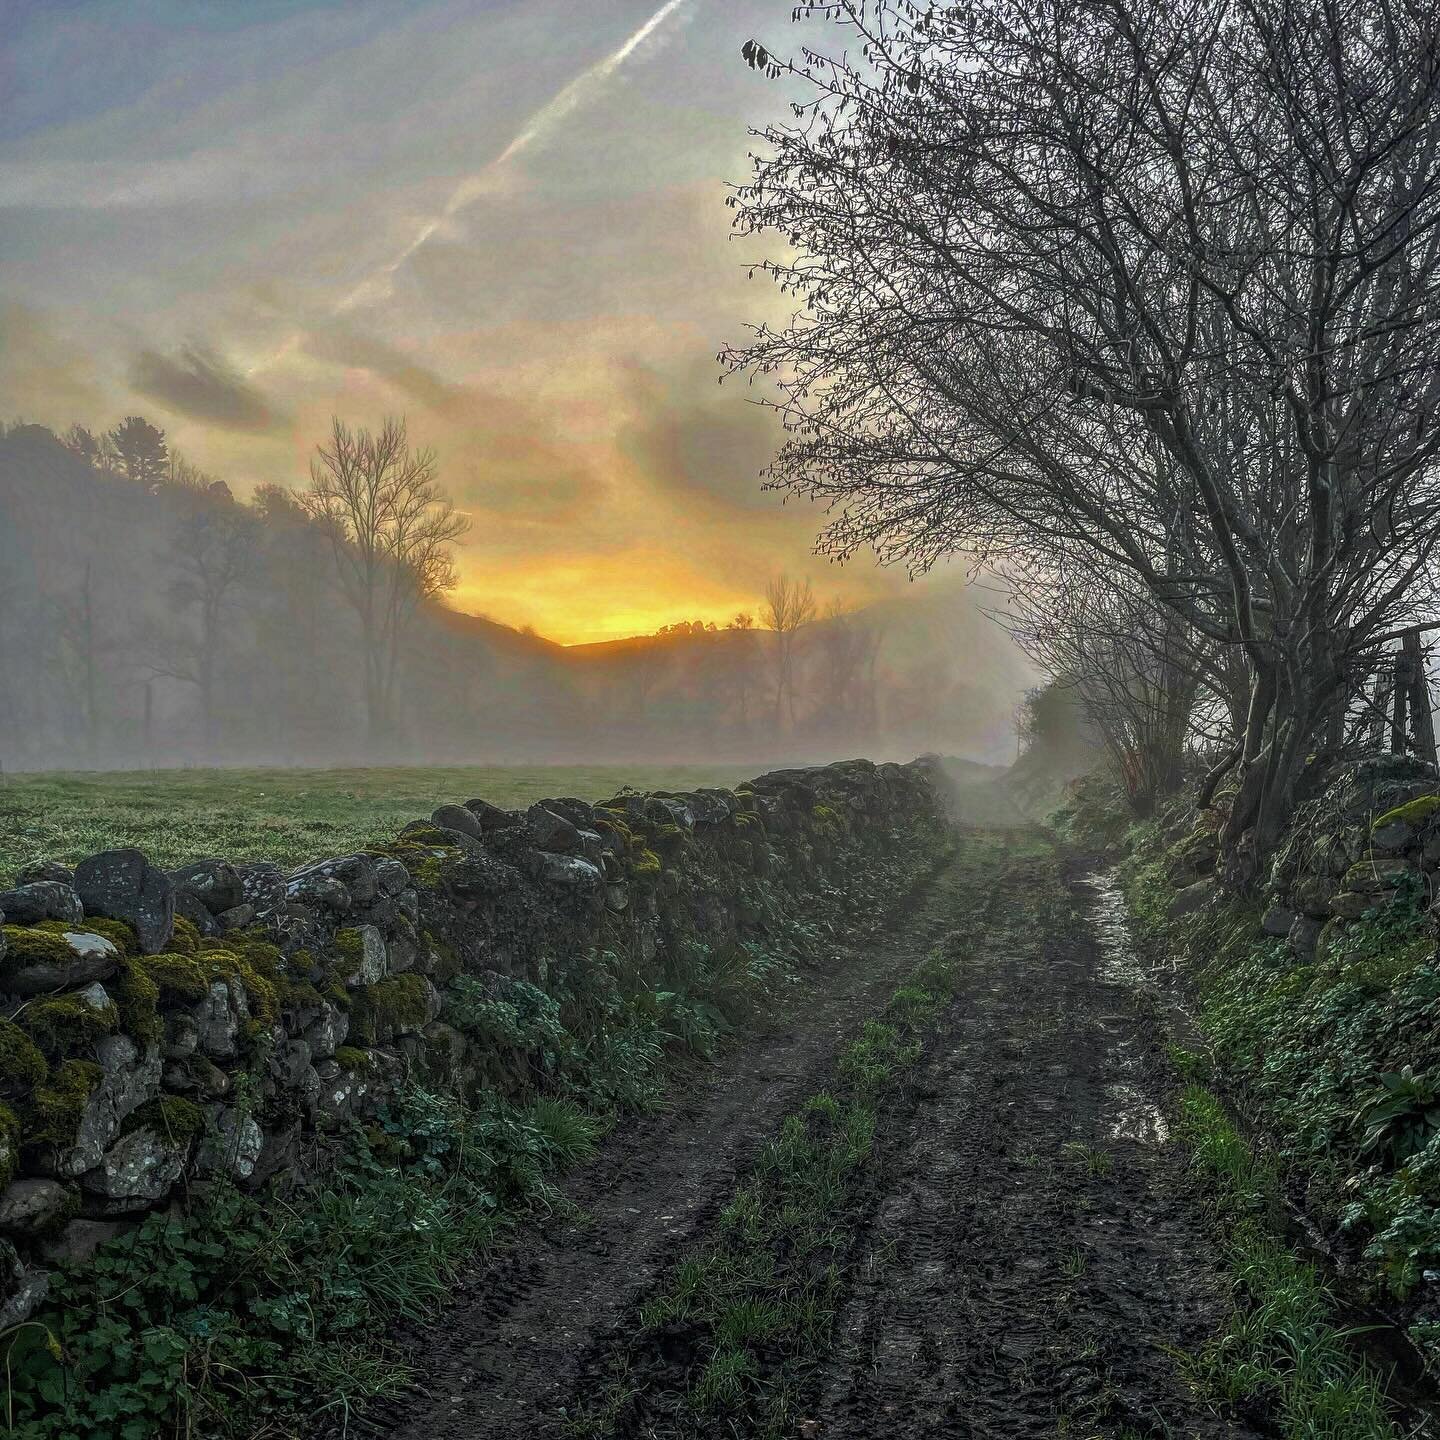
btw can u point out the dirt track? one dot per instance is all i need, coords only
(1030, 1250)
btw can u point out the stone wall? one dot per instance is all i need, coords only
(1372, 835)
(230, 1019)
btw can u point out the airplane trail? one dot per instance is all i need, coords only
(588, 84)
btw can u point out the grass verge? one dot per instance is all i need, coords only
(1282, 1357)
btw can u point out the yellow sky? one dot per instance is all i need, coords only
(505, 222)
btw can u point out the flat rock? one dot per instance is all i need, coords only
(33, 1205)
(92, 957)
(41, 900)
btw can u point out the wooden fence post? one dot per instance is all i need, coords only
(1380, 703)
(1422, 718)
(1397, 716)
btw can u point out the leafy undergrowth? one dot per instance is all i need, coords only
(268, 1316)
(1334, 1064)
(1282, 1358)
(725, 1346)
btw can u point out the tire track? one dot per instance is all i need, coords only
(507, 1357)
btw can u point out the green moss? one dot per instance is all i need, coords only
(428, 872)
(645, 862)
(400, 1002)
(138, 997)
(64, 1024)
(27, 945)
(169, 1115)
(352, 1059)
(1414, 813)
(186, 938)
(178, 978)
(350, 945)
(9, 1145)
(54, 1112)
(22, 1066)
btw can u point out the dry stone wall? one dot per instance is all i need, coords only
(228, 1019)
(1371, 836)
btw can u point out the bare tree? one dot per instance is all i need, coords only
(391, 528)
(1156, 280)
(789, 608)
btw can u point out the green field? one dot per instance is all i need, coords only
(285, 815)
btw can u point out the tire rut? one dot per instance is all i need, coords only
(1038, 1256)
(506, 1357)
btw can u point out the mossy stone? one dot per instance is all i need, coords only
(22, 1066)
(65, 1024)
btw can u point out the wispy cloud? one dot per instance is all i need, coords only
(586, 86)
(198, 383)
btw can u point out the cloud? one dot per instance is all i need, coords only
(198, 383)
(694, 439)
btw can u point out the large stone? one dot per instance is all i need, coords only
(1384, 872)
(236, 919)
(1193, 897)
(33, 1206)
(392, 876)
(1304, 934)
(218, 1018)
(362, 951)
(569, 871)
(1348, 905)
(216, 884)
(1393, 837)
(91, 957)
(124, 885)
(492, 817)
(262, 885)
(458, 818)
(327, 1034)
(128, 1078)
(550, 831)
(1277, 920)
(139, 1168)
(354, 873)
(41, 900)
(231, 1146)
(191, 908)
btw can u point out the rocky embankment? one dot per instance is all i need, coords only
(164, 1029)
(1373, 836)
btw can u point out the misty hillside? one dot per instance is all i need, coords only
(149, 618)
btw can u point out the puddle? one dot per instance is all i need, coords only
(1132, 1115)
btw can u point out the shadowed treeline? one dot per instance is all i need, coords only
(148, 617)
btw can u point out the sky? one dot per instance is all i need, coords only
(504, 220)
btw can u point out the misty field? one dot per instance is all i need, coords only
(284, 815)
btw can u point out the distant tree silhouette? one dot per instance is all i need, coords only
(141, 451)
(789, 608)
(391, 527)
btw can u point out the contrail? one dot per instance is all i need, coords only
(376, 285)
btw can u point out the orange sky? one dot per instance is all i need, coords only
(504, 221)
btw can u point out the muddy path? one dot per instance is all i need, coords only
(1029, 1253)
(1038, 1254)
(509, 1351)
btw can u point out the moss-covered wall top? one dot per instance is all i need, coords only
(158, 1029)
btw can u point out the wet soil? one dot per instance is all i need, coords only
(1029, 1252)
